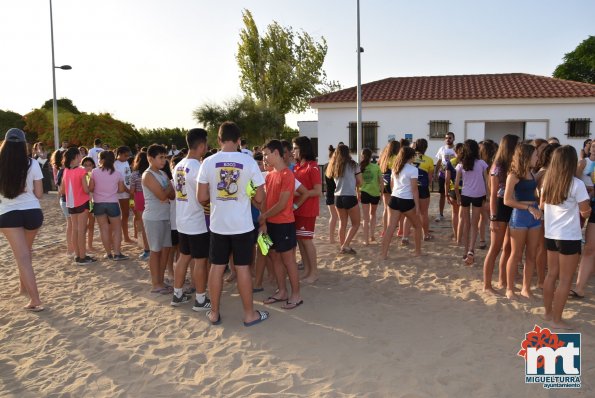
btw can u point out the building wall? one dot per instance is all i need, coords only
(309, 128)
(467, 121)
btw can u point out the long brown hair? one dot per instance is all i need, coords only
(14, 165)
(505, 151)
(470, 154)
(106, 161)
(559, 175)
(405, 155)
(487, 151)
(391, 149)
(366, 158)
(337, 164)
(521, 160)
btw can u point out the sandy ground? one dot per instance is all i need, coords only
(410, 327)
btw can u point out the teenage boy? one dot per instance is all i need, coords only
(445, 153)
(158, 191)
(191, 223)
(223, 178)
(96, 150)
(123, 167)
(279, 222)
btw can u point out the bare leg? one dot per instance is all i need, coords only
(154, 267)
(518, 237)
(342, 225)
(567, 266)
(309, 252)
(116, 234)
(506, 250)
(79, 228)
(415, 221)
(549, 285)
(245, 290)
(142, 228)
(200, 275)
(385, 212)
(180, 270)
(455, 221)
(464, 227)
(366, 229)
(393, 221)
(215, 287)
(424, 206)
(587, 261)
(496, 240)
(332, 223)
(288, 260)
(90, 231)
(541, 258)
(19, 243)
(354, 217)
(533, 236)
(105, 233)
(473, 228)
(125, 210)
(373, 209)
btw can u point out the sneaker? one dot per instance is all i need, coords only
(120, 257)
(176, 301)
(108, 257)
(144, 255)
(439, 218)
(201, 307)
(86, 260)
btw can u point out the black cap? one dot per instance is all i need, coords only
(15, 135)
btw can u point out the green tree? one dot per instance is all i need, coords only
(63, 103)
(281, 69)
(579, 65)
(10, 119)
(164, 136)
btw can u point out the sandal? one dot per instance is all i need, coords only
(428, 237)
(470, 258)
(482, 244)
(404, 241)
(348, 251)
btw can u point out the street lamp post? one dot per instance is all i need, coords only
(359, 92)
(54, 67)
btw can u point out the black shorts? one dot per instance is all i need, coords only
(345, 202)
(402, 205)
(467, 201)
(566, 247)
(195, 246)
(592, 216)
(368, 199)
(503, 212)
(29, 219)
(330, 200)
(175, 238)
(283, 236)
(441, 182)
(79, 209)
(240, 245)
(424, 192)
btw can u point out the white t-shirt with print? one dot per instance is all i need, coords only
(402, 182)
(94, 153)
(190, 215)
(124, 169)
(228, 174)
(26, 200)
(562, 222)
(444, 155)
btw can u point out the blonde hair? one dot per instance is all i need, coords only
(337, 163)
(391, 149)
(521, 160)
(559, 175)
(405, 155)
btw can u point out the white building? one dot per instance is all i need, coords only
(472, 106)
(309, 128)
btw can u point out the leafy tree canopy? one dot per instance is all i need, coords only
(8, 120)
(579, 65)
(63, 103)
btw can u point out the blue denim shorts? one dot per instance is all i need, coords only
(109, 209)
(522, 219)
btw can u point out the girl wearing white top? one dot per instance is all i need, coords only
(404, 199)
(563, 196)
(20, 213)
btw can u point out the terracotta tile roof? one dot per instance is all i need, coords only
(462, 87)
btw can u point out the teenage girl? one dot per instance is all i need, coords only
(330, 200)
(21, 217)
(75, 187)
(56, 161)
(370, 192)
(563, 197)
(487, 151)
(472, 171)
(404, 199)
(139, 166)
(499, 214)
(425, 167)
(89, 164)
(386, 162)
(450, 174)
(346, 173)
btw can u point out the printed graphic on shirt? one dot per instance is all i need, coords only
(229, 174)
(180, 179)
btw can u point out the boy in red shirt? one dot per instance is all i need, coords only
(278, 221)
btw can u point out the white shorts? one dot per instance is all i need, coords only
(158, 234)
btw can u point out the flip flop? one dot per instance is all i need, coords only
(258, 289)
(290, 306)
(35, 308)
(214, 323)
(263, 316)
(482, 244)
(273, 300)
(575, 295)
(470, 258)
(163, 290)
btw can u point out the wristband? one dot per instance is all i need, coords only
(493, 218)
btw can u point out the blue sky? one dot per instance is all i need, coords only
(152, 62)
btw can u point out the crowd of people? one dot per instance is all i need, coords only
(208, 210)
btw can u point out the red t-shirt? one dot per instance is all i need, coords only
(275, 183)
(308, 174)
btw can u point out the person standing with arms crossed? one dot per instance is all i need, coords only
(222, 181)
(445, 153)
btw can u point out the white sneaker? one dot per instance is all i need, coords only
(439, 218)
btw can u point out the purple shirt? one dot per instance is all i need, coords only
(106, 185)
(474, 185)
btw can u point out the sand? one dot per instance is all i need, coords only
(408, 327)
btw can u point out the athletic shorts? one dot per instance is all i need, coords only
(330, 200)
(282, 235)
(79, 209)
(30, 219)
(64, 208)
(424, 192)
(195, 246)
(386, 178)
(175, 237)
(503, 212)
(467, 201)
(522, 219)
(109, 209)
(345, 202)
(304, 227)
(452, 194)
(565, 247)
(158, 234)
(240, 245)
(402, 205)
(368, 199)
(592, 216)
(139, 201)
(441, 182)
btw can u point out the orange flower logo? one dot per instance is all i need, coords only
(540, 338)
